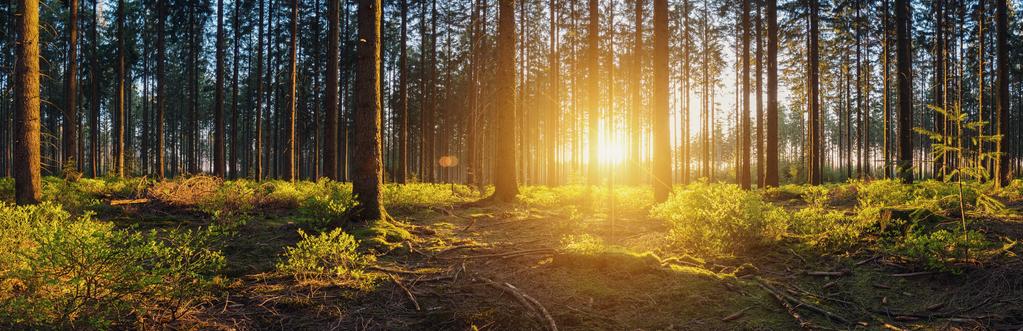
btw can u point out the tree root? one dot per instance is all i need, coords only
(525, 300)
(800, 303)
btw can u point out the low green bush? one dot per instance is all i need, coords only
(938, 250)
(828, 229)
(328, 256)
(57, 271)
(720, 219)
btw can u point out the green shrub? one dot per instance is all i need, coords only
(720, 219)
(785, 192)
(330, 204)
(62, 272)
(827, 229)
(816, 196)
(424, 194)
(331, 255)
(939, 250)
(886, 192)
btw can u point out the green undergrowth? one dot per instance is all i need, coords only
(61, 271)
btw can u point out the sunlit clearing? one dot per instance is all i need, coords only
(611, 152)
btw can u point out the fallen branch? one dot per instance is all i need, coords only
(736, 315)
(788, 307)
(399, 271)
(123, 202)
(801, 303)
(407, 291)
(827, 273)
(525, 301)
(509, 254)
(913, 274)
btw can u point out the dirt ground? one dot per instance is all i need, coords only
(503, 268)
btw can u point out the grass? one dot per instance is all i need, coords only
(263, 254)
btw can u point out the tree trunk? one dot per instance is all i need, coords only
(331, 98)
(367, 177)
(813, 67)
(771, 166)
(744, 165)
(592, 90)
(904, 56)
(27, 184)
(401, 173)
(161, 85)
(634, 167)
(119, 109)
(219, 165)
(292, 112)
(94, 97)
(71, 90)
(505, 185)
(1002, 177)
(234, 163)
(662, 136)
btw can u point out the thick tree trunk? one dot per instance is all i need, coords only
(505, 184)
(94, 97)
(367, 178)
(401, 173)
(662, 136)
(119, 109)
(814, 133)
(592, 91)
(27, 184)
(1002, 174)
(233, 160)
(904, 56)
(634, 168)
(331, 98)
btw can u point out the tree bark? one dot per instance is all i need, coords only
(505, 184)
(904, 57)
(662, 137)
(219, 164)
(292, 112)
(771, 166)
(744, 165)
(367, 177)
(27, 183)
(161, 85)
(1003, 176)
(71, 90)
(592, 91)
(119, 109)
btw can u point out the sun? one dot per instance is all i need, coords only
(611, 152)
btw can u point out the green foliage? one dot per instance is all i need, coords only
(328, 256)
(826, 229)
(331, 203)
(939, 250)
(784, 192)
(720, 219)
(590, 199)
(816, 196)
(59, 271)
(425, 194)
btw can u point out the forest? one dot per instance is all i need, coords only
(511, 164)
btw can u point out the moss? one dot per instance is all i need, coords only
(381, 235)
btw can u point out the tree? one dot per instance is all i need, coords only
(402, 170)
(813, 99)
(161, 85)
(27, 184)
(71, 89)
(258, 148)
(119, 109)
(235, 144)
(635, 129)
(904, 58)
(771, 166)
(592, 89)
(506, 187)
(94, 101)
(744, 165)
(218, 102)
(1003, 176)
(662, 137)
(292, 111)
(367, 176)
(331, 98)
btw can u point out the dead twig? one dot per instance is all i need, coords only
(736, 315)
(827, 273)
(407, 291)
(399, 271)
(507, 254)
(801, 303)
(524, 300)
(913, 274)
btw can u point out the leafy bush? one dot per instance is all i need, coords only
(886, 192)
(330, 204)
(827, 229)
(720, 219)
(185, 192)
(331, 255)
(597, 199)
(939, 250)
(785, 192)
(423, 194)
(64, 272)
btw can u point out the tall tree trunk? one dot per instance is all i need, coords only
(292, 112)
(813, 67)
(505, 184)
(161, 86)
(94, 97)
(367, 178)
(219, 164)
(401, 172)
(744, 165)
(331, 98)
(119, 109)
(771, 166)
(592, 90)
(759, 35)
(904, 56)
(662, 136)
(885, 90)
(686, 85)
(1002, 175)
(71, 90)
(635, 134)
(235, 165)
(554, 117)
(27, 183)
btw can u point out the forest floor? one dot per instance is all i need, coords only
(504, 267)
